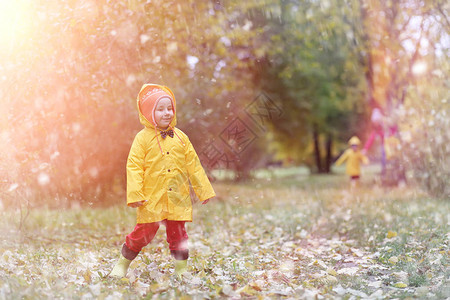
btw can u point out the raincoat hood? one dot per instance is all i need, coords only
(354, 141)
(146, 109)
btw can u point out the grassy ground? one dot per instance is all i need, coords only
(283, 235)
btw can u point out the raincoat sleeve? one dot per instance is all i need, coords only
(343, 158)
(197, 176)
(135, 171)
(364, 159)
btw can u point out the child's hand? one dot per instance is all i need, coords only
(206, 201)
(137, 204)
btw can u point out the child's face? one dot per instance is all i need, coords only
(354, 147)
(163, 113)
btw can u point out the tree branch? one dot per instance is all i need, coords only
(441, 11)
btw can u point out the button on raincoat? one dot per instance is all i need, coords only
(159, 170)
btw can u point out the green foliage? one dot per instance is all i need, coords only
(312, 70)
(68, 91)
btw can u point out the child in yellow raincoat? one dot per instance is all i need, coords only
(353, 158)
(161, 163)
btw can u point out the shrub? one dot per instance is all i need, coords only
(426, 137)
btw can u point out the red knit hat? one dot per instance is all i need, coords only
(148, 99)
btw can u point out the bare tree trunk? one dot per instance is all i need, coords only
(317, 150)
(328, 157)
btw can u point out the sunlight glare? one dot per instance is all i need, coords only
(15, 21)
(419, 68)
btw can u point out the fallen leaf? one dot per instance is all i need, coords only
(331, 271)
(400, 285)
(348, 271)
(391, 234)
(87, 276)
(125, 280)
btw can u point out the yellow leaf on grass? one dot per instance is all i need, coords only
(125, 280)
(320, 263)
(251, 289)
(400, 285)
(87, 276)
(331, 271)
(391, 234)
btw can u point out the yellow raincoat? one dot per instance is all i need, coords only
(354, 158)
(161, 173)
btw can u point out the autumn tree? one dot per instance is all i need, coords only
(71, 76)
(405, 57)
(310, 65)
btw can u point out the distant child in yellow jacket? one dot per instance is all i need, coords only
(161, 164)
(353, 158)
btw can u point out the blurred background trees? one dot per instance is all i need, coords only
(71, 70)
(312, 66)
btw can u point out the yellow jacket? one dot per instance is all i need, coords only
(354, 159)
(161, 174)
